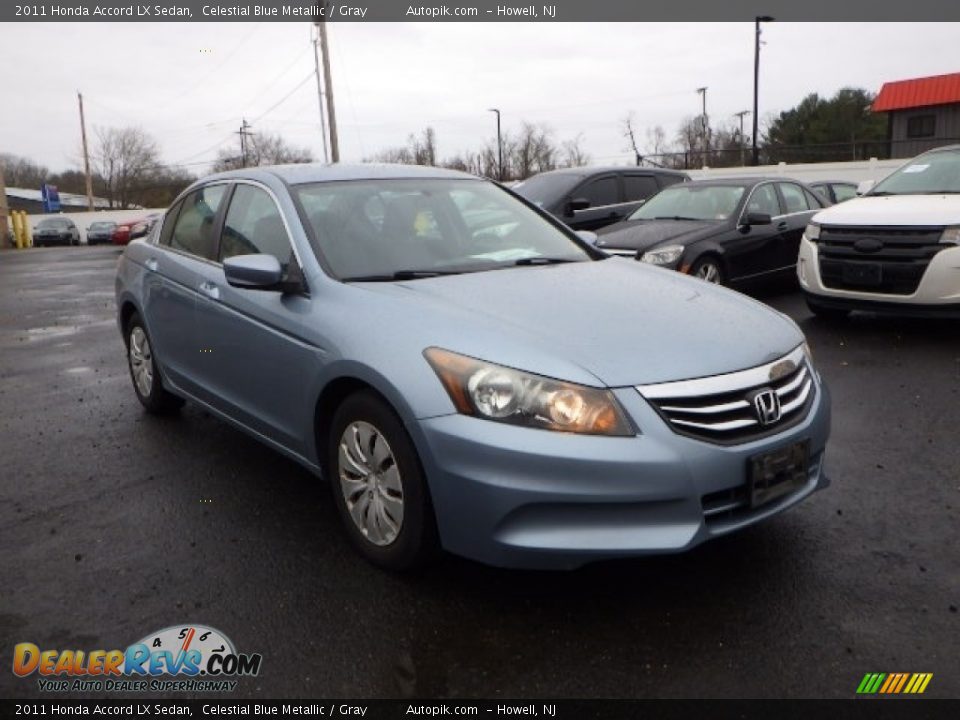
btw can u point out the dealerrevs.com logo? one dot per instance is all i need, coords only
(188, 658)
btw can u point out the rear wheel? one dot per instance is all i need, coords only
(827, 313)
(147, 383)
(379, 486)
(708, 269)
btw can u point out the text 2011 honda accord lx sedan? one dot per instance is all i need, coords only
(466, 371)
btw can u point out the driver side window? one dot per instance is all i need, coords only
(764, 200)
(254, 226)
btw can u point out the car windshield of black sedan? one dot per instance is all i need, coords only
(692, 202)
(103, 226)
(53, 223)
(406, 229)
(933, 173)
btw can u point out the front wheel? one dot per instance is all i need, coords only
(708, 268)
(143, 371)
(379, 486)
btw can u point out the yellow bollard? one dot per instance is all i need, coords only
(27, 235)
(17, 230)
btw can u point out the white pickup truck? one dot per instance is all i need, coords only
(895, 249)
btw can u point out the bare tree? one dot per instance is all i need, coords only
(124, 158)
(262, 148)
(573, 154)
(22, 172)
(631, 135)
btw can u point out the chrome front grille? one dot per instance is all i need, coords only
(724, 409)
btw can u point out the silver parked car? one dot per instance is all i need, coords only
(467, 371)
(55, 231)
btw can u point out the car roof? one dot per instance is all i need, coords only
(319, 172)
(585, 170)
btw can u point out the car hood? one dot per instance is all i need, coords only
(621, 322)
(644, 234)
(894, 210)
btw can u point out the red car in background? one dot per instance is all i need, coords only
(129, 230)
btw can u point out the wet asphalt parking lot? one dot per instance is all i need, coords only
(115, 524)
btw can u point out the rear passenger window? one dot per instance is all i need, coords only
(603, 191)
(814, 202)
(193, 229)
(844, 192)
(793, 198)
(254, 226)
(639, 187)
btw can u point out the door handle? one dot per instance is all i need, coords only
(782, 225)
(210, 290)
(152, 265)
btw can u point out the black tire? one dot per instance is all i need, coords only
(415, 542)
(155, 398)
(709, 264)
(827, 313)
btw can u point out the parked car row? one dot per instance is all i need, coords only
(63, 231)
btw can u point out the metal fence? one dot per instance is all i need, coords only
(773, 154)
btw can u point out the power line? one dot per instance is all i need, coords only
(284, 98)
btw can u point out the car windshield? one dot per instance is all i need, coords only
(932, 173)
(102, 225)
(53, 223)
(404, 229)
(690, 201)
(545, 190)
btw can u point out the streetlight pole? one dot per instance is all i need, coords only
(756, 79)
(499, 146)
(740, 115)
(706, 132)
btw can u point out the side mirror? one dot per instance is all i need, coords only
(588, 237)
(866, 186)
(577, 204)
(254, 272)
(758, 219)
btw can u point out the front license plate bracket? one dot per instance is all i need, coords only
(779, 472)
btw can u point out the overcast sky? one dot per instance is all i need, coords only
(189, 85)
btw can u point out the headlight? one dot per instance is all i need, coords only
(503, 394)
(951, 236)
(812, 232)
(663, 256)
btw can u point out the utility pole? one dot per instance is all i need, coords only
(328, 84)
(756, 80)
(706, 127)
(86, 155)
(323, 119)
(4, 212)
(243, 132)
(740, 115)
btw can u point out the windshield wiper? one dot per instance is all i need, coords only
(881, 193)
(540, 260)
(941, 192)
(402, 275)
(674, 217)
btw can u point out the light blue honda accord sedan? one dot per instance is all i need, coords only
(468, 372)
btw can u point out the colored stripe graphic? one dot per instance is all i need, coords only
(894, 683)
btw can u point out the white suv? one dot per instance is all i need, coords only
(896, 249)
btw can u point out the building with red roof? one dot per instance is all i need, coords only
(924, 113)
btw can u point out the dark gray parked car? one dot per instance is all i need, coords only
(55, 231)
(587, 198)
(100, 232)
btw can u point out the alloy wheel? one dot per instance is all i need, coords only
(710, 272)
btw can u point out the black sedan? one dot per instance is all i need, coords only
(100, 232)
(55, 231)
(724, 231)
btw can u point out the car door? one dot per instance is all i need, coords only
(256, 362)
(752, 250)
(606, 206)
(799, 206)
(175, 268)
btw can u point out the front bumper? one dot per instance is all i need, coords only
(518, 497)
(939, 288)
